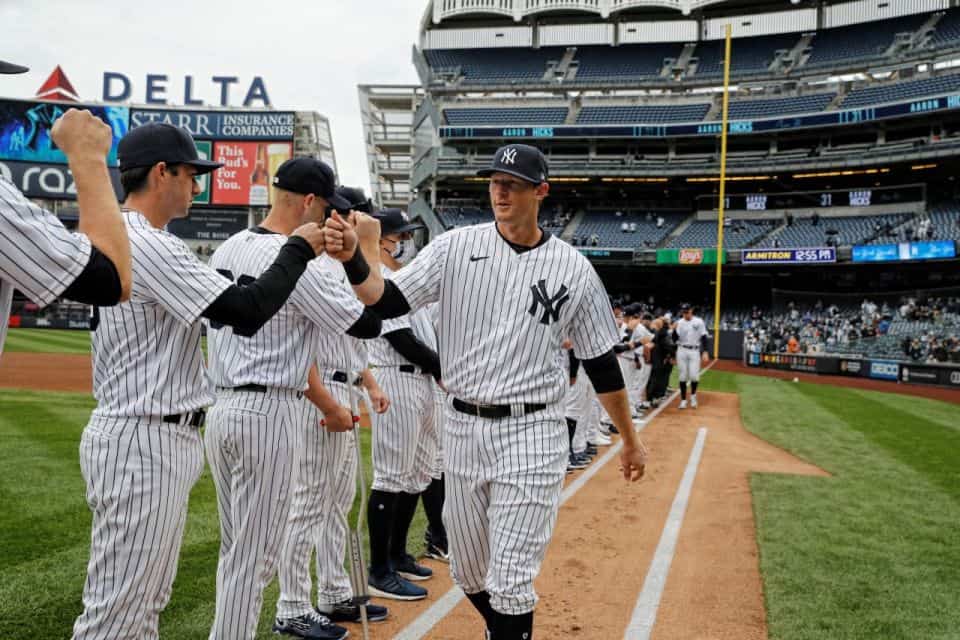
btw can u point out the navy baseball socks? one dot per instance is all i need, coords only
(435, 536)
(501, 626)
(380, 512)
(403, 562)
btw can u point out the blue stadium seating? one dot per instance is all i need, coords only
(859, 41)
(946, 222)
(648, 113)
(849, 230)
(703, 233)
(489, 66)
(902, 91)
(947, 32)
(780, 106)
(523, 115)
(748, 55)
(626, 62)
(607, 226)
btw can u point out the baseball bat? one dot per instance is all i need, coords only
(358, 573)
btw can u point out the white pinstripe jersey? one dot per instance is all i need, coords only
(384, 355)
(690, 331)
(504, 314)
(146, 351)
(38, 255)
(280, 354)
(335, 351)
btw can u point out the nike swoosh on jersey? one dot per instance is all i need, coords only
(476, 258)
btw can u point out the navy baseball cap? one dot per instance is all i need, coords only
(308, 175)
(395, 221)
(10, 68)
(685, 307)
(156, 142)
(357, 199)
(521, 161)
(633, 310)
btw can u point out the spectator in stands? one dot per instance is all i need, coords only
(793, 345)
(594, 240)
(815, 219)
(633, 227)
(624, 227)
(660, 222)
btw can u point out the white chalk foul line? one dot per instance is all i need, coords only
(436, 612)
(645, 613)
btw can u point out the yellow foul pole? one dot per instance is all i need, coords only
(723, 194)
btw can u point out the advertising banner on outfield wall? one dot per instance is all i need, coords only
(222, 125)
(25, 129)
(820, 255)
(852, 367)
(245, 177)
(930, 374)
(48, 181)
(884, 370)
(790, 362)
(688, 256)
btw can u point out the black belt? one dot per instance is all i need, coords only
(493, 410)
(409, 368)
(256, 388)
(343, 377)
(193, 419)
(690, 346)
(253, 388)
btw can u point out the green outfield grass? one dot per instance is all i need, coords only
(45, 527)
(871, 553)
(47, 341)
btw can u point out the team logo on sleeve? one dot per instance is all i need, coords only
(551, 304)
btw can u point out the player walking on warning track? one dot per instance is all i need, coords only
(38, 255)
(509, 294)
(254, 435)
(325, 485)
(141, 453)
(405, 364)
(691, 336)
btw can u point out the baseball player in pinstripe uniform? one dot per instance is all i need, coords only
(435, 535)
(404, 361)
(690, 334)
(325, 485)
(254, 433)
(403, 446)
(38, 255)
(141, 452)
(509, 293)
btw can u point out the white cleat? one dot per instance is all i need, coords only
(683, 404)
(601, 441)
(693, 402)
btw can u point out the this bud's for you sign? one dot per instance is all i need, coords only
(247, 170)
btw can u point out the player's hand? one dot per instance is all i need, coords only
(80, 133)
(340, 237)
(566, 344)
(312, 233)
(368, 233)
(633, 461)
(704, 358)
(338, 420)
(573, 381)
(379, 400)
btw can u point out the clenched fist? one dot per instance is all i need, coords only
(312, 233)
(80, 133)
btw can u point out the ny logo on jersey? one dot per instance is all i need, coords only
(551, 305)
(509, 156)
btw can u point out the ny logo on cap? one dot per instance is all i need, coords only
(509, 156)
(551, 305)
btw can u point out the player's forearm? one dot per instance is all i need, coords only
(100, 218)
(318, 394)
(369, 382)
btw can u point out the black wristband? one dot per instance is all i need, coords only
(356, 268)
